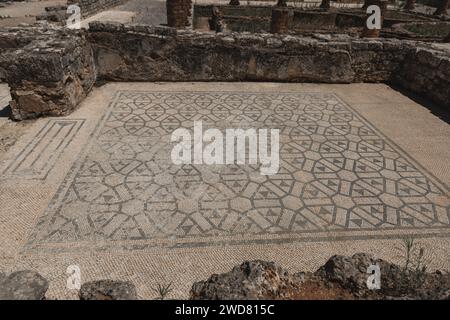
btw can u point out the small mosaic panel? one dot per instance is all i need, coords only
(39, 156)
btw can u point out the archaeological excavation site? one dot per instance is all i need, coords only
(187, 150)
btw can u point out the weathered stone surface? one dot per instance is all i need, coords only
(124, 53)
(351, 274)
(424, 73)
(256, 18)
(108, 290)
(340, 277)
(122, 56)
(251, 280)
(447, 39)
(280, 20)
(55, 14)
(49, 70)
(325, 4)
(23, 285)
(178, 12)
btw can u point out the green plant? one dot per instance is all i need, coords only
(413, 273)
(163, 290)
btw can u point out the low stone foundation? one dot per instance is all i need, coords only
(51, 70)
(128, 53)
(254, 18)
(139, 53)
(178, 12)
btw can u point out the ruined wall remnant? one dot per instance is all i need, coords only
(58, 13)
(410, 5)
(280, 21)
(426, 72)
(127, 53)
(216, 22)
(341, 277)
(178, 13)
(257, 18)
(49, 71)
(447, 39)
(138, 53)
(325, 4)
(163, 54)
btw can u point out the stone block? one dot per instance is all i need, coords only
(50, 75)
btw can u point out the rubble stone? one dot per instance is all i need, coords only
(23, 285)
(108, 290)
(340, 277)
(251, 280)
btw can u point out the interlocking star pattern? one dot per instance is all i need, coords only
(336, 173)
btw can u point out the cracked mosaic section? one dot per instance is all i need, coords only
(337, 174)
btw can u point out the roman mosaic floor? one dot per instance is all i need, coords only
(361, 167)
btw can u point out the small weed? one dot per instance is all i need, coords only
(163, 290)
(414, 267)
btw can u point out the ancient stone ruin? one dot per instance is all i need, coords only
(89, 179)
(341, 277)
(104, 53)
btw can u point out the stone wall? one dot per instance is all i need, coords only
(257, 18)
(143, 53)
(49, 71)
(426, 72)
(129, 53)
(90, 7)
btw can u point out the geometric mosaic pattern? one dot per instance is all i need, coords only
(37, 159)
(337, 173)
